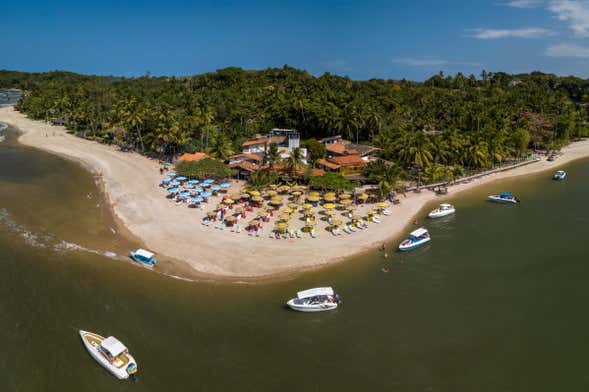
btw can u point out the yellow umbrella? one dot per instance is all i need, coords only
(357, 217)
(281, 225)
(221, 206)
(371, 212)
(262, 214)
(330, 194)
(297, 193)
(314, 193)
(329, 198)
(238, 209)
(242, 196)
(346, 202)
(350, 208)
(363, 196)
(271, 193)
(211, 213)
(284, 217)
(345, 196)
(329, 206)
(382, 204)
(254, 193)
(254, 222)
(257, 199)
(273, 186)
(288, 211)
(306, 206)
(228, 201)
(235, 196)
(335, 222)
(330, 212)
(275, 202)
(293, 206)
(313, 198)
(230, 218)
(284, 188)
(308, 212)
(299, 188)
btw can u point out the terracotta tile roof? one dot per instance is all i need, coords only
(245, 165)
(348, 160)
(197, 156)
(331, 138)
(317, 172)
(341, 149)
(246, 155)
(254, 142)
(329, 165)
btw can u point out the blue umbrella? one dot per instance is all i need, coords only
(198, 189)
(209, 180)
(171, 174)
(188, 186)
(172, 190)
(181, 178)
(206, 194)
(198, 200)
(166, 179)
(184, 194)
(225, 185)
(175, 183)
(193, 182)
(215, 188)
(205, 185)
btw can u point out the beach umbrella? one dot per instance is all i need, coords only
(288, 211)
(171, 174)
(198, 189)
(280, 225)
(206, 194)
(271, 193)
(299, 188)
(371, 212)
(306, 206)
(238, 209)
(184, 194)
(197, 200)
(382, 204)
(225, 185)
(211, 213)
(166, 165)
(293, 206)
(308, 212)
(262, 214)
(188, 186)
(313, 198)
(254, 193)
(296, 193)
(329, 212)
(273, 186)
(175, 183)
(350, 208)
(215, 188)
(235, 196)
(284, 188)
(205, 184)
(362, 196)
(345, 196)
(228, 201)
(209, 180)
(230, 218)
(166, 179)
(244, 196)
(258, 199)
(336, 222)
(181, 178)
(284, 217)
(254, 222)
(173, 190)
(275, 202)
(220, 206)
(194, 182)
(329, 198)
(329, 206)
(356, 217)
(346, 202)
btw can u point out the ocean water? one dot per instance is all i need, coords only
(496, 301)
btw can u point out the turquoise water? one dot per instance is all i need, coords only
(495, 302)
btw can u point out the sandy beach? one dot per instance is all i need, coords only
(131, 181)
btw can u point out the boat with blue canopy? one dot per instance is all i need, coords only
(144, 257)
(416, 238)
(504, 198)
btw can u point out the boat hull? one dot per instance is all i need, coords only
(143, 262)
(500, 200)
(311, 308)
(120, 373)
(439, 214)
(405, 247)
(559, 177)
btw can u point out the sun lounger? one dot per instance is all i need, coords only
(313, 234)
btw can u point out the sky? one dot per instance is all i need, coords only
(361, 39)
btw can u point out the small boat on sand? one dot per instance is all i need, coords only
(559, 175)
(444, 209)
(416, 238)
(318, 299)
(111, 354)
(505, 197)
(144, 257)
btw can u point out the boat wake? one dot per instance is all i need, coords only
(48, 241)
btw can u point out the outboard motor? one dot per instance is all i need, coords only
(337, 299)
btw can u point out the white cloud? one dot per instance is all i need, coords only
(432, 62)
(567, 50)
(522, 3)
(530, 32)
(574, 12)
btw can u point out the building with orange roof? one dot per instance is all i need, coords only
(197, 156)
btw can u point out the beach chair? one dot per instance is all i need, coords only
(238, 228)
(258, 233)
(352, 228)
(271, 235)
(313, 234)
(233, 228)
(299, 233)
(347, 229)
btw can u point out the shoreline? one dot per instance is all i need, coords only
(191, 251)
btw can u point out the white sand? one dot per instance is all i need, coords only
(131, 183)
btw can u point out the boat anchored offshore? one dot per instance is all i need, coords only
(315, 300)
(443, 210)
(505, 197)
(144, 257)
(111, 354)
(559, 175)
(416, 238)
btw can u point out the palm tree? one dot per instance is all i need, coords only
(272, 155)
(295, 163)
(221, 148)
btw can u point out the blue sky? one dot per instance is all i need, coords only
(361, 39)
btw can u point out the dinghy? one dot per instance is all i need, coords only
(443, 210)
(505, 197)
(318, 299)
(144, 257)
(416, 238)
(111, 354)
(559, 175)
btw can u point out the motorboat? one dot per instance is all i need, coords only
(443, 209)
(416, 238)
(111, 354)
(505, 197)
(559, 175)
(144, 257)
(318, 299)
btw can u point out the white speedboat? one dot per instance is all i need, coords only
(505, 197)
(111, 354)
(443, 210)
(315, 300)
(559, 175)
(416, 238)
(144, 257)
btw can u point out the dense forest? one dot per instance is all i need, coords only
(445, 121)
